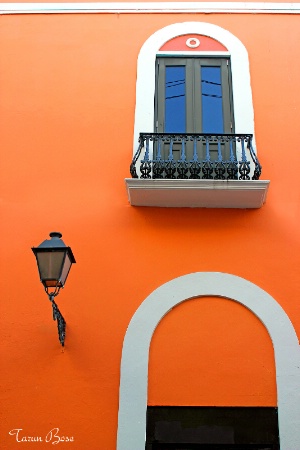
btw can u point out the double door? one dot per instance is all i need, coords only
(194, 95)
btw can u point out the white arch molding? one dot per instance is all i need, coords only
(134, 364)
(145, 85)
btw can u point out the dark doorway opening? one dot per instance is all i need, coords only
(212, 428)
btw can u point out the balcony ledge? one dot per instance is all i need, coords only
(168, 193)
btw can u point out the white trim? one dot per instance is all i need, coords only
(145, 85)
(151, 7)
(134, 365)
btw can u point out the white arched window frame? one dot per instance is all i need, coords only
(145, 86)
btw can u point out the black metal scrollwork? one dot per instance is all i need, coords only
(195, 170)
(220, 170)
(146, 169)
(170, 169)
(225, 166)
(182, 169)
(61, 323)
(244, 170)
(232, 170)
(207, 169)
(158, 168)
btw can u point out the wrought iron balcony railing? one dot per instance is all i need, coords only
(195, 156)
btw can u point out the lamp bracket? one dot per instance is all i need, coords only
(61, 323)
(53, 293)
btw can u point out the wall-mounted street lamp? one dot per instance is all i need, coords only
(54, 260)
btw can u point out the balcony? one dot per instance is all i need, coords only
(196, 170)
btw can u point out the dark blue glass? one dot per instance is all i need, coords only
(175, 112)
(212, 102)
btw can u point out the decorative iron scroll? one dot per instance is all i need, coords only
(61, 323)
(224, 157)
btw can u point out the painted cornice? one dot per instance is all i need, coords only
(151, 7)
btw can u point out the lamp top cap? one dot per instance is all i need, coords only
(54, 244)
(55, 234)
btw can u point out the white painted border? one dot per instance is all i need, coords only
(151, 7)
(145, 85)
(134, 365)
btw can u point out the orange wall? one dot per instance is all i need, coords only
(211, 351)
(67, 112)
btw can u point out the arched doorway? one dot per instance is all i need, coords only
(134, 366)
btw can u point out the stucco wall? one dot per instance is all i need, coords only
(67, 116)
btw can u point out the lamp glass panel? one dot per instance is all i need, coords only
(50, 266)
(66, 269)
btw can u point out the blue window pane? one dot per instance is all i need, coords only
(212, 102)
(175, 99)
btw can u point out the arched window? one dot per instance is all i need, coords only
(193, 79)
(218, 42)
